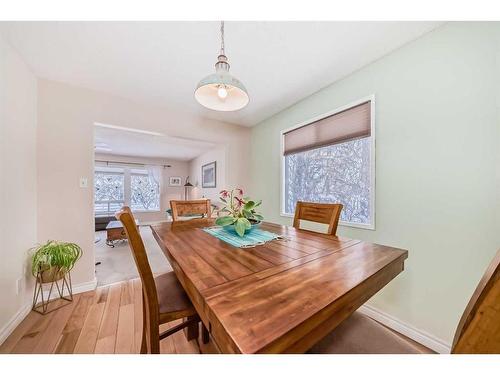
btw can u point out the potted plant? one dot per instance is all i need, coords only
(50, 263)
(52, 260)
(241, 216)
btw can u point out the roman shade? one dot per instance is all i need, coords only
(350, 124)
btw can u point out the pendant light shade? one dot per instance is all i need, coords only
(221, 91)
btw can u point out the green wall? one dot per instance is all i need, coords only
(437, 166)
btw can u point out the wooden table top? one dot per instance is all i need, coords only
(282, 296)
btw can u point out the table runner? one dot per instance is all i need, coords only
(254, 238)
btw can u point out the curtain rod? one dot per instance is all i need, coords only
(130, 163)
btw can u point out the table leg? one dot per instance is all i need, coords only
(205, 335)
(192, 331)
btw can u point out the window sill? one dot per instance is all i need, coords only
(341, 223)
(145, 211)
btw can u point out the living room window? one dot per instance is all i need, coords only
(331, 159)
(138, 188)
(145, 191)
(109, 190)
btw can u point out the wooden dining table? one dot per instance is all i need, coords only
(279, 297)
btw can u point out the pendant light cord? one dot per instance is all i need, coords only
(222, 52)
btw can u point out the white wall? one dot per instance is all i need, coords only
(218, 155)
(65, 153)
(167, 193)
(18, 198)
(437, 155)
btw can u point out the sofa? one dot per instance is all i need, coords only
(102, 221)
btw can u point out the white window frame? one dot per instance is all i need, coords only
(371, 99)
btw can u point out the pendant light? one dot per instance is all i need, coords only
(221, 91)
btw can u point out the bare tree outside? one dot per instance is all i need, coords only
(333, 174)
(108, 191)
(115, 187)
(145, 192)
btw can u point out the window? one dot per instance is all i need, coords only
(331, 160)
(116, 187)
(109, 192)
(145, 191)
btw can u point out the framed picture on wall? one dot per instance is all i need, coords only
(209, 175)
(175, 181)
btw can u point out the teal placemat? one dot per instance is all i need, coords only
(254, 238)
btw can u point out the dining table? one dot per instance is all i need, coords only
(282, 296)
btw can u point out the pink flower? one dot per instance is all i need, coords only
(240, 201)
(224, 193)
(240, 191)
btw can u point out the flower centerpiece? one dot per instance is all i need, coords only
(241, 212)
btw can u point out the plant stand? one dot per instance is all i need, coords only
(42, 307)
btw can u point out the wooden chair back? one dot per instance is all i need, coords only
(182, 208)
(129, 210)
(149, 293)
(325, 213)
(479, 329)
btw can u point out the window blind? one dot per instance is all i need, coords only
(350, 124)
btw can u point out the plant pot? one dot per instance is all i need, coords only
(231, 229)
(51, 274)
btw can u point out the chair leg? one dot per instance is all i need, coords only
(153, 339)
(205, 335)
(155, 344)
(144, 345)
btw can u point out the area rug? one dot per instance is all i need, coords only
(117, 264)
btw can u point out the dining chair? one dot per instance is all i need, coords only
(478, 331)
(325, 213)
(479, 328)
(192, 207)
(163, 298)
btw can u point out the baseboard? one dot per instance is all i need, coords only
(79, 288)
(85, 287)
(406, 329)
(11, 325)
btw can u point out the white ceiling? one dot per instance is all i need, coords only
(120, 142)
(161, 62)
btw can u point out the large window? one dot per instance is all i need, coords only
(116, 187)
(330, 160)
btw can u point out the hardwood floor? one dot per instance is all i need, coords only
(107, 320)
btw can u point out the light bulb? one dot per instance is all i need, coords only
(222, 92)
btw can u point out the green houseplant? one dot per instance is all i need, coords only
(241, 211)
(52, 260)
